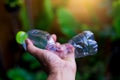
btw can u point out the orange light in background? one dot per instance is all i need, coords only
(90, 12)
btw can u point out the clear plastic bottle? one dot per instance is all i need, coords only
(83, 43)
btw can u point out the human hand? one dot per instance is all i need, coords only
(60, 64)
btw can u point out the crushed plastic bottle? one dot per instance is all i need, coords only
(39, 38)
(83, 43)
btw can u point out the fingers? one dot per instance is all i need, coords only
(54, 37)
(70, 52)
(32, 49)
(58, 44)
(66, 49)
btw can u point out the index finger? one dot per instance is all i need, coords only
(32, 49)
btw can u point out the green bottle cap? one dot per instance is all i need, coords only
(21, 36)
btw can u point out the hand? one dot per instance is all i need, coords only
(58, 67)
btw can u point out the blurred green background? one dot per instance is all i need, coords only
(65, 18)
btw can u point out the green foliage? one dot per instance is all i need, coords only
(22, 74)
(19, 74)
(24, 18)
(92, 69)
(25, 74)
(78, 76)
(41, 76)
(32, 60)
(116, 17)
(13, 3)
(45, 17)
(116, 24)
(22, 12)
(68, 24)
(48, 9)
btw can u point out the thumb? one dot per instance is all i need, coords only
(70, 55)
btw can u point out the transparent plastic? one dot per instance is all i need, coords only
(39, 38)
(83, 43)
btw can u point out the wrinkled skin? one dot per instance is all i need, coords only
(59, 64)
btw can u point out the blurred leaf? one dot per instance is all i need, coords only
(45, 17)
(19, 74)
(115, 8)
(68, 24)
(28, 57)
(34, 65)
(41, 76)
(86, 76)
(116, 17)
(116, 24)
(23, 15)
(48, 9)
(78, 76)
(32, 60)
(24, 18)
